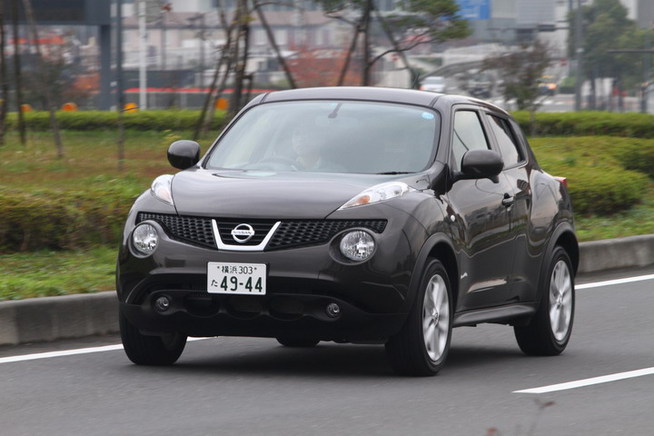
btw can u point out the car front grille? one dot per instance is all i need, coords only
(289, 233)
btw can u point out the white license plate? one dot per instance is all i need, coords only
(236, 278)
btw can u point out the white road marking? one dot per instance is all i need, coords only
(587, 382)
(51, 354)
(615, 282)
(602, 379)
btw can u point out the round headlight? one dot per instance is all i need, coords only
(145, 239)
(357, 245)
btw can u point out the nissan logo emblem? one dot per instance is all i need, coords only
(242, 233)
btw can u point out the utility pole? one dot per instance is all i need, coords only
(579, 51)
(164, 9)
(45, 88)
(143, 46)
(22, 129)
(120, 85)
(646, 72)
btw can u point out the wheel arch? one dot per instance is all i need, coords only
(563, 236)
(438, 247)
(568, 241)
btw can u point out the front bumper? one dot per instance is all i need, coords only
(281, 315)
(373, 297)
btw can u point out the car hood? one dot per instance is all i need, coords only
(259, 194)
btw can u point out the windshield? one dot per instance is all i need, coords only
(329, 136)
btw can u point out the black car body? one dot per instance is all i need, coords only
(432, 213)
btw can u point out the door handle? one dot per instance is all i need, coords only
(508, 200)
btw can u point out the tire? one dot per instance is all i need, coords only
(150, 350)
(422, 346)
(548, 332)
(297, 342)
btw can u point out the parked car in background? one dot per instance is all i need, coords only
(434, 84)
(351, 214)
(547, 85)
(480, 85)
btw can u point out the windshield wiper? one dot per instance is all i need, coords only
(394, 173)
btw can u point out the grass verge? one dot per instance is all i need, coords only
(48, 273)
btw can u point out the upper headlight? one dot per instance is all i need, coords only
(162, 189)
(381, 192)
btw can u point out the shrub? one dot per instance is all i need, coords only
(50, 219)
(601, 179)
(97, 120)
(604, 192)
(588, 123)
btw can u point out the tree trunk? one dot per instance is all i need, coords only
(348, 56)
(4, 87)
(54, 126)
(367, 65)
(120, 86)
(242, 47)
(206, 115)
(17, 74)
(401, 53)
(273, 43)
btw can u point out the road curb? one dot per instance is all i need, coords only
(74, 316)
(629, 252)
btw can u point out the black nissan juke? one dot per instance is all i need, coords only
(351, 214)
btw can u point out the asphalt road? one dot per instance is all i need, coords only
(255, 386)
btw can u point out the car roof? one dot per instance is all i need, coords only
(370, 93)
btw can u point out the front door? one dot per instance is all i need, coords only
(480, 222)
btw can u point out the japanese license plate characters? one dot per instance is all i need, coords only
(236, 278)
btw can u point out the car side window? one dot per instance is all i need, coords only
(507, 141)
(468, 135)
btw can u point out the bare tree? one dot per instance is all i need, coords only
(273, 42)
(54, 126)
(521, 70)
(421, 22)
(206, 115)
(4, 87)
(241, 49)
(22, 130)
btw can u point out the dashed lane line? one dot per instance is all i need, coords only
(587, 382)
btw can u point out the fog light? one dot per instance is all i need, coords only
(145, 239)
(162, 304)
(357, 245)
(333, 310)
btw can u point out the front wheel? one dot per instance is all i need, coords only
(422, 346)
(150, 350)
(548, 333)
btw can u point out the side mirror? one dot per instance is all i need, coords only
(183, 154)
(480, 164)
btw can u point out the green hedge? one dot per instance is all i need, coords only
(96, 120)
(546, 124)
(49, 219)
(633, 125)
(605, 174)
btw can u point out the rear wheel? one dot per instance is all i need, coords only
(548, 333)
(150, 350)
(422, 346)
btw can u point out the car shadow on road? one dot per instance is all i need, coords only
(329, 360)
